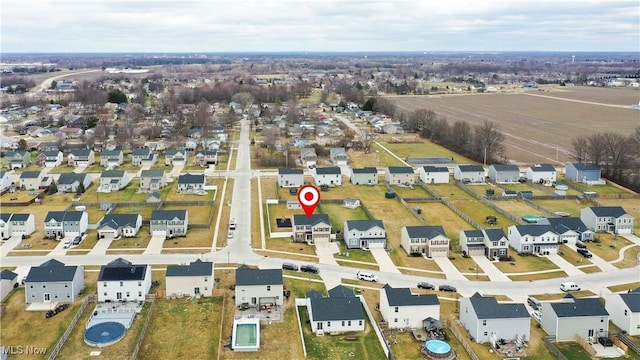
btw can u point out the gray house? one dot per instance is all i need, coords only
(113, 180)
(612, 219)
(189, 183)
(364, 176)
(400, 175)
(338, 156)
(586, 317)
(175, 157)
(142, 156)
(583, 173)
(152, 180)
(503, 174)
(311, 230)
(469, 173)
(111, 158)
(18, 159)
(53, 282)
(170, 223)
(113, 226)
(59, 224)
(569, 229)
(69, 182)
(193, 279)
(308, 157)
(30, 180)
(486, 319)
(290, 177)
(329, 176)
(255, 287)
(340, 312)
(364, 234)
(8, 282)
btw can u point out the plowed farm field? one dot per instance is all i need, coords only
(539, 124)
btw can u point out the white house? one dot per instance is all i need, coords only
(120, 280)
(111, 158)
(19, 225)
(434, 174)
(142, 157)
(81, 157)
(60, 224)
(402, 309)
(8, 282)
(536, 239)
(6, 180)
(308, 157)
(193, 279)
(173, 157)
(30, 180)
(586, 317)
(330, 176)
(152, 180)
(50, 158)
(53, 282)
(189, 183)
(341, 311)
(469, 174)
(255, 287)
(503, 173)
(364, 234)
(624, 310)
(114, 226)
(541, 174)
(400, 175)
(113, 180)
(338, 156)
(290, 177)
(487, 320)
(569, 229)
(612, 219)
(364, 176)
(430, 241)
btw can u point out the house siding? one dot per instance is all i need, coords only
(136, 289)
(63, 291)
(186, 285)
(252, 294)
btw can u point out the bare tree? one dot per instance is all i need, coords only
(367, 137)
(580, 148)
(489, 142)
(244, 99)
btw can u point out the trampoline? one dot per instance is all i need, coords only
(104, 334)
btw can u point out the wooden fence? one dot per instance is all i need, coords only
(549, 341)
(150, 298)
(461, 335)
(586, 345)
(73, 323)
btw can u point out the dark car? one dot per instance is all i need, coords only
(426, 285)
(293, 191)
(584, 252)
(605, 341)
(77, 240)
(310, 269)
(448, 288)
(289, 266)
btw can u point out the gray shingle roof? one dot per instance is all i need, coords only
(333, 170)
(50, 153)
(543, 167)
(534, 230)
(287, 171)
(122, 270)
(562, 225)
(365, 170)
(7, 275)
(299, 219)
(141, 152)
(196, 268)
(579, 307)
(425, 232)
(152, 173)
(608, 211)
(489, 308)
(313, 294)
(505, 167)
(80, 153)
(191, 179)
(51, 271)
(110, 153)
(30, 174)
(20, 217)
(473, 233)
(341, 291)
(112, 174)
(471, 168)
(495, 234)
(168, 215)
(64, 216)
(247, 276)
(336, 309)
(70, 178)
(435, 169)
(632, 300)
(400, 170)
(118, 220)
(584, 167)
(404, 297)
(363, 225)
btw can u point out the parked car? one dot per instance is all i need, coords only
(605, 341)
(534, 303)
(537, 314)
(447, 288)
(584, 252)
(77, 240)
(293, 191)
(232, 224)
(580, 245)
(361, 275)
(67, 244)
(289, 266)
(230, 235)
(310, 269)
(569, 286)
(426, 285)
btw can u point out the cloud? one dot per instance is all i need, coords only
(315, 25)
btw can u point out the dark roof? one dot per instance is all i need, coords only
(110, 153)
(168, 214)
(118, 220)
(341, 291)
(122, 270)
(489, 308)
(5, 217)
(495, 234)
(112, 174)
(71, 177)
(365, 170)
(50, 153)
(473, 233)
(534, 230)
(300, 219)
(141, 152)
(363, 225)
(196, 268)
(336, 308)
(404, 297)
(20, 217)
(632, 300)
(562, 225)
(400, 170)
(80, 152)
(191, 179)
(435, 169)
(333, 170)
(64, 216)
(30, 174)
(313, 294)
(51, 271)
(7, 275)
(579, 307)
(471, 168)
(287, 171)
(425, 232)
(542, 167)
(247, 276)
(608, 211)
(584, 167)
(152, 173)
(505, 167)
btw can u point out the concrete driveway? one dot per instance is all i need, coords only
(447, 267)
(384, 261)
(100, 248)
(489, 269)
(155, 245)
(564, 265)
(10, 245)
(177, 169)
(325, 253)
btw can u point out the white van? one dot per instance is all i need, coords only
(569, 286)
(361, 275)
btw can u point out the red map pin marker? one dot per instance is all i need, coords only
(309, 197)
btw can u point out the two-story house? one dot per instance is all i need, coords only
(193, 279)
(541, 174)
(364, 234)
(340, 312)
(569, 229)
(472, 242)
(611, 219)
(338, 156)
(8, 282)
(70, 182)
(175, 157)
(256, 287)
(311, 230)
(53, 282)
(51, 158)
(60, 224)
(120, 280)
(308, 157)
(328, 176)
(113, 180)
(434, 174)
(6, 181)
(152, 180)
(205, 157)
(473, 174)
(486, 319)
(588, 174)
(190, 183)
(290, 177)
(364, 176)
(624, 310)
(503, 173)
(111, 158)
(114, 226)
(30, 180)
(400, 175)
(81, 158)
(143, 157)
(586, 317)
(18, 225)
(402, 309)
(535, 239)
(430, 241)
(170, 223)
(18, 159)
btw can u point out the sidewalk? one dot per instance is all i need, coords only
(9, 245)
(325, 253)
(489, 269)
(447, 267)
(101, 247)
(384, 261)
(564, 265)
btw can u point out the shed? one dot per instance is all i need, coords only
(389, 194)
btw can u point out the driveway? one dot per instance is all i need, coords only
(325, 253)
(447, 267)
(155, 245)
(489, 269)
(564, 265)
(59, 249)
(384, 261)
(177, 169)
(100, 248)
(596, 260)
(79, 169)
(10, 245)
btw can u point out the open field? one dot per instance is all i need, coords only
(413, 192)
(424, 149)
(338, 214)
(440, 214)
(546, 121)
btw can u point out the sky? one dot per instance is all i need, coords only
(318, 25)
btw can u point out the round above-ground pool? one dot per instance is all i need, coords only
(104, 334)
(437, 349)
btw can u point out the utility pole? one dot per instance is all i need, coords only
(485, 156)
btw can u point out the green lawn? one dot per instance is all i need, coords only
(569, 206)
(451, 191)
(573, 351)
(413, 192)
(338, 214)
(440, 214)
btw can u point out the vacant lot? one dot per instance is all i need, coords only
(535, 127)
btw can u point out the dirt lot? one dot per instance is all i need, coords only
(548, 119)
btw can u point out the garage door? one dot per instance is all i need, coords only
(376, 244)
(159, 232)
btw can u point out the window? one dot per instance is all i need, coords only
(342, 322)
(396, 309)
(206, 278)
(395, 320)
(121, 283)
(128, 294)
(625, 312)
(268, 287)
(485, 333)
(139, 293)
(360, 323)
(349, 323)
(105, 294)
(30, 286)
(328, 323)
(484, 322)
(139, 283)
(44, 286)
(66, 285)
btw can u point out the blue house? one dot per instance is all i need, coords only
(583, 173)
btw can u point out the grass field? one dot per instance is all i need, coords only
(518, 208)
(409, 193)
(338, 214)
(571, 207)
(607, 246)
(525, 264)
(440, 214)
